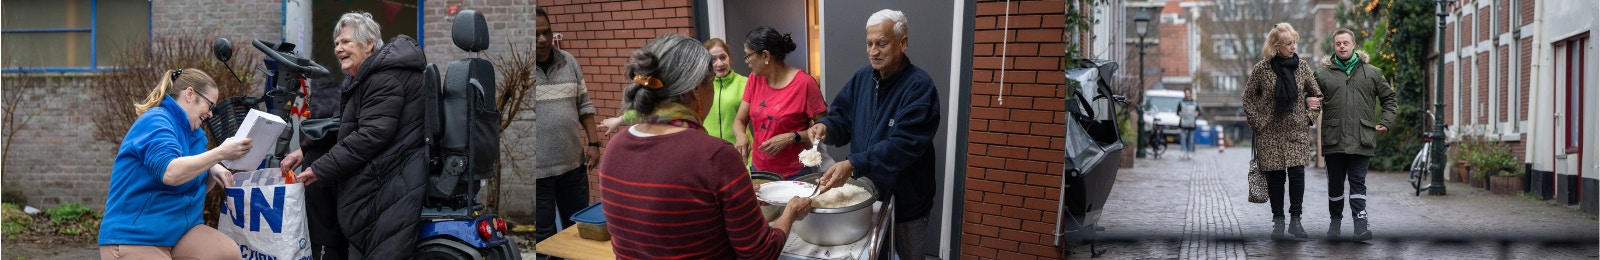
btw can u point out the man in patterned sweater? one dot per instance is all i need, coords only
(561, 157)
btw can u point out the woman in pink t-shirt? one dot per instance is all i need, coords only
(779, 102)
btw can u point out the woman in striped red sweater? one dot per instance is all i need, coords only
(672, 191)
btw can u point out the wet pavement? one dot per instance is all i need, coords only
(1171, 208)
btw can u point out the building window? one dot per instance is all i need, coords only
(74, 35)
(1573, 52)
(1226, 46)
(1226, 84)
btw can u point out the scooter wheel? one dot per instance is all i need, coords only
(441, 252)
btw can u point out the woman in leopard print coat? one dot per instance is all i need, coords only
(1279, 103)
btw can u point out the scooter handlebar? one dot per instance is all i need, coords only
(312, 69)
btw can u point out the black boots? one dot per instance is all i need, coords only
(1277, 228)
(1361, 232)
(1333, 229)
(1295, 229)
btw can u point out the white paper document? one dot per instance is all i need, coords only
(263, 129)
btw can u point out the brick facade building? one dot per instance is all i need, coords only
(1521, 73)
(55, 159)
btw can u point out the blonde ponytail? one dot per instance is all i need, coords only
(172, 83)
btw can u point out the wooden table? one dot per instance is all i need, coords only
(567, 244)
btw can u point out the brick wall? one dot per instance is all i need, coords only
(603, 34)
(53, 158)
(1524, 79)
(1174, 39)
(238, 20)
(1449, 91)
(1014, 154)
(510, 22)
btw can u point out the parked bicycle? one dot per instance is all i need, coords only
(1157, 142)
(1422, 165)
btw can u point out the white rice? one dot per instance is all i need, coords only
(810, 158)
(840, 197)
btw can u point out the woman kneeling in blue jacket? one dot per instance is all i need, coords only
(159, 178)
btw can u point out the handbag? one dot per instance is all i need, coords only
(1258, 184)
(1258, 180)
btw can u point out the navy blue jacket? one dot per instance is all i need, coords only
(891, 122)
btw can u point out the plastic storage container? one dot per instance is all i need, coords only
(592, 223)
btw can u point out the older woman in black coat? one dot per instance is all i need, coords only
(380, 160)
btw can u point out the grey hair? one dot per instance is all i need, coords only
(889, 15)
(365, 29)
(680, 62)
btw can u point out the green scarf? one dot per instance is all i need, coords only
(667, 114)
(1348, 64)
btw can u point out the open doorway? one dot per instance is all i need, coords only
(394, 17)
(741, 17)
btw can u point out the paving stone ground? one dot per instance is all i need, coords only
(1170, 208)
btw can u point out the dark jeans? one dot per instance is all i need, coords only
(1351, 167)
(560, 195)
(908, 238)
(327, 241)
(1297, 189)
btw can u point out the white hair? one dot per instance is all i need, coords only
(365, 29)
(889, 15)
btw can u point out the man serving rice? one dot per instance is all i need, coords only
(889, 110)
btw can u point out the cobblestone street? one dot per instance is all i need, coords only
(1196, 209)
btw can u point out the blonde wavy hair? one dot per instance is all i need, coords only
(1280, 33)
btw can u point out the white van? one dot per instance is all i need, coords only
(1161, 110)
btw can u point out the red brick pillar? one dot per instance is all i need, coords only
(1015, 147)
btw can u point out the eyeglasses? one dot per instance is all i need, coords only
(209, 104)
(748, 55)
(1343, 43)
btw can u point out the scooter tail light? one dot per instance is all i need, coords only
(500, 224)
(484, 230)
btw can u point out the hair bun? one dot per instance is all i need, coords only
(788, 43)
(644, 63)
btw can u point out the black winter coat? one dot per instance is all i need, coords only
(380, 162)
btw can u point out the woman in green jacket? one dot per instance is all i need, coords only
(730, 89)
(729, 92)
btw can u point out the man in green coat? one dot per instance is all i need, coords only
(1350, 86)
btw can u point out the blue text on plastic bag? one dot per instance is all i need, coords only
(259, 209)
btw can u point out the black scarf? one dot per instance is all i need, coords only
(1286, 93)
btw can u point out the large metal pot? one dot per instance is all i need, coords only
(768, 210)
(837, 226)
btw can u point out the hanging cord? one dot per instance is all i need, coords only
(1005, 42)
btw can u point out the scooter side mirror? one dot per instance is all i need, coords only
(222, 49)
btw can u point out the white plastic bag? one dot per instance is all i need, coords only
(266, 217)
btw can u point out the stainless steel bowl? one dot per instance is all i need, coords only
(837, 226)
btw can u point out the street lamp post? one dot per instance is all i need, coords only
(1141, 26)
(1438, 103)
